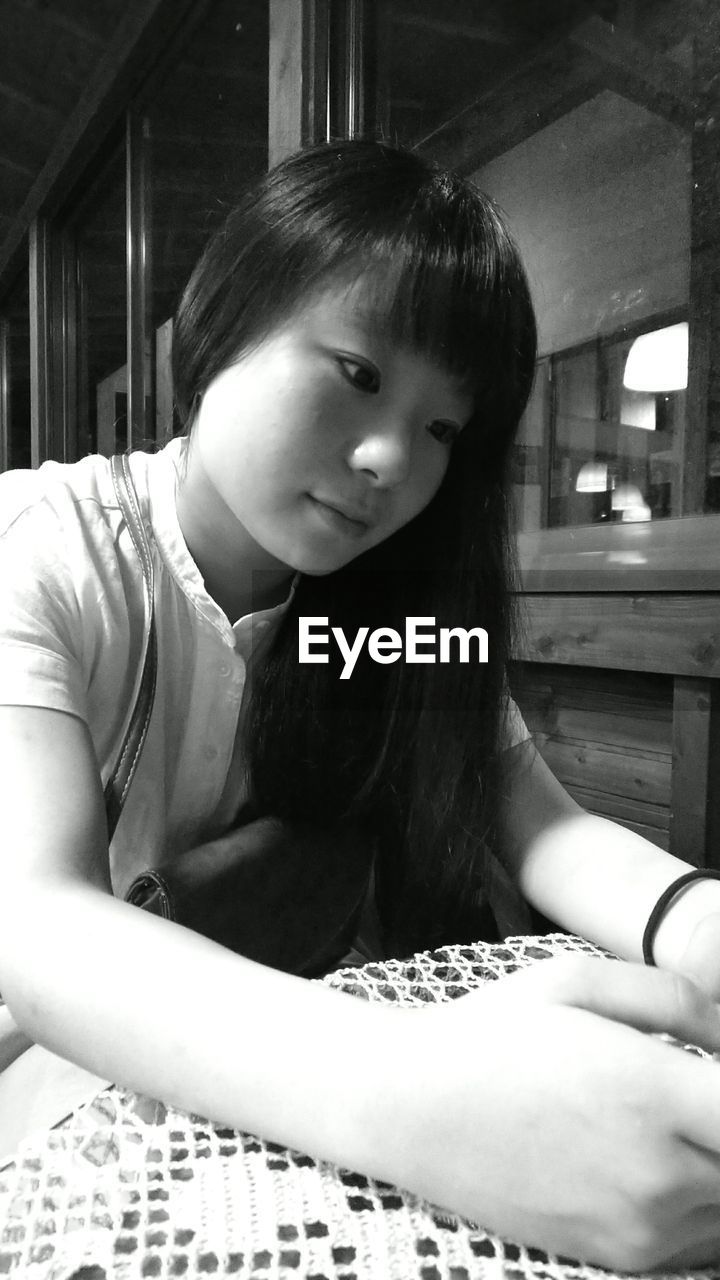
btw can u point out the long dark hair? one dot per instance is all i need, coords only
(410, 753)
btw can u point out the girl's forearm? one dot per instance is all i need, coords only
(147, 1004)
(596, 878)
(13, 1041)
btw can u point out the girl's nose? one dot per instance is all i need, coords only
(384, 456)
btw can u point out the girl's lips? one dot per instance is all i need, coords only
(338, 520)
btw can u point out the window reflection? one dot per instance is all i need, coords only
(592, 125)
(96, 231)
(206, 131)
(615, 448)
(16, 318)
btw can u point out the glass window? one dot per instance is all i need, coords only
(93, 245)
(206, 138)
(123, 247)
(15, 316)
(593, 126)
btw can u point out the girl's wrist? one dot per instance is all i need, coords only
(382, 1115)
(692, 904)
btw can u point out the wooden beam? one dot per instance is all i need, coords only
(14, 167)
(672, 634)
(691, 440)
(540, 89)
(298, 75)
(139, 275)
(66, 305)
(51, 66)
(140, 39)
(693, 802)
(94, 19)
(644, 75)
(704, 308)
(25, 100)
(40, 354)
(556, 76)
(63, 22)
(483, 32)
(286, 76)
(357, 77)
(53, 416)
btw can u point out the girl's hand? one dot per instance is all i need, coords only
(537, 1109)
(701, 958)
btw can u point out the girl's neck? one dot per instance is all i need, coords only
(243, 595)
(238, 574)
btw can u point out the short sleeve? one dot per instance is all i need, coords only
(41, 638)
(514, 730)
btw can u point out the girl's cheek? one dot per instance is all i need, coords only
(434, 479)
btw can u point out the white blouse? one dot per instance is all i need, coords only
(71, 626)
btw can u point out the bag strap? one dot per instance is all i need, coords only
(118, 783)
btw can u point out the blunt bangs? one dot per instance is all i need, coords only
(444, 275)
(442, 271)
(430, 308)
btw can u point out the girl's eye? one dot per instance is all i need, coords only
(362, 376)
(445, 432)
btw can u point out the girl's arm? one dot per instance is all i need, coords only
(592, 876)
(13, 1041)
(144, 1002)
(511, 1106)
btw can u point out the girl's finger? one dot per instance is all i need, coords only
(695, 1086)
(701, 958)
(646, 998)
(696, 1240)
(697, 1179)
(680, 1226)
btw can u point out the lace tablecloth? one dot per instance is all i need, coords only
(128, 1188)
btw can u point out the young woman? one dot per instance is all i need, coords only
(352, 357)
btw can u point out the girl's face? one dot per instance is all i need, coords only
(326, 438)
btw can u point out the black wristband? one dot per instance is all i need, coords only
(658, 911)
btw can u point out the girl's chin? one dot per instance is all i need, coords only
(313, 555)
(317, 564)
(313, 567)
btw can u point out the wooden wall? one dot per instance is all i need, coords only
(608, 736)
(621, 694)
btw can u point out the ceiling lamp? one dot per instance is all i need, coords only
(592, 478)
(636, 514)
(626, 496)
(658, 361)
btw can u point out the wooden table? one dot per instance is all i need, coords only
(129, 1188)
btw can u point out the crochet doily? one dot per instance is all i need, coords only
(128, 1188)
